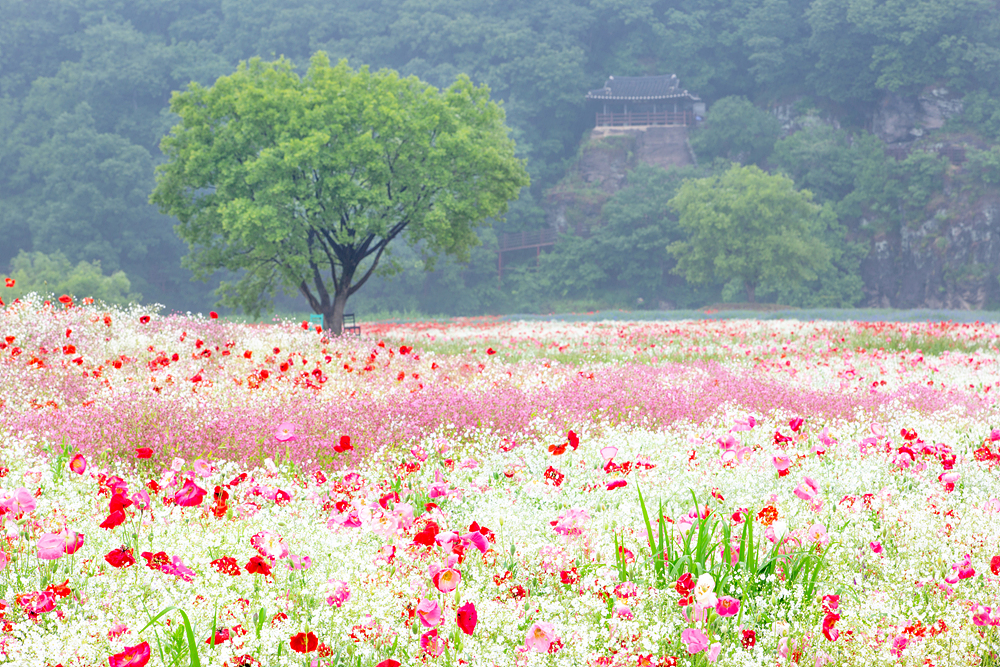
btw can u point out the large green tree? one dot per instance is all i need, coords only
(301, 183)
(749, 225)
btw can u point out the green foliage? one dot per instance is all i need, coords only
(819, 158)
(737, 131)
(751, 226)
(302, 183)
(85, 87)
(54, 275)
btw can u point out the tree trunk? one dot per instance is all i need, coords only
(751, 288)
(333, 319)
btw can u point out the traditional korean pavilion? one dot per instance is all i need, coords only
(641, 101)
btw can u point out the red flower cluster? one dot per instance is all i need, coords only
(226, 565)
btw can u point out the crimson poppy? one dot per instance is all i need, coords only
(344, 444)
(144, 319)
(304, 643)
(115, 519)
(120, 558)
(214, 315)
(143, 452)
(66, 300)
(467, 618)
(258, 565)
(9, 282)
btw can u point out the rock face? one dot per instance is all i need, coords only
(602, 166)
(949, 261)
(902, 119)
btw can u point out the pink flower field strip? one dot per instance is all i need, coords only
(487, 493)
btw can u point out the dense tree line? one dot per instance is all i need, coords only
(85, 88)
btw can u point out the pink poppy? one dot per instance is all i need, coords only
(190, 495)
(695, 641)
(72, 541)
(807, 489)
(38, 602)
(477, 540)
(467, 618)
(18, 501)
(429, 612)
(78, 464)
(270, 545)
(781, 462)
(540, 637)
(431, 643)
(51, 546)
(727, 606)
(132, 656)
(447, 580)
(341, 593)
(285, 432)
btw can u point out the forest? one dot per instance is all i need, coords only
(811, 89)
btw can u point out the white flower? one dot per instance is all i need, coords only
(704, 591)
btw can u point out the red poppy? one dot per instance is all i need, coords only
(214, 315)
(344, 444)
(66, 300)
(115, 519)
(9, 282)
(144, 319)
(143, 452)
(304, 643)
(221, 635)
(427, 535)
(467, 618)
(226, 565)
(557, 449)
(120, 558)
(132, 656)
(574, 440)
(60, 590)
(388, 663)
(258, 565)
(155, 561)
(490, 351)
(995, 565)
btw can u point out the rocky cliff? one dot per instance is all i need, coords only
(601, 169)
(948, 257)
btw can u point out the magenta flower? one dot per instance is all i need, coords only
(431, 643)
(178, 569)
(467, 618)
(540, 637)
(190, 495)
(78, 464)
(727, 606)
(447, 580)
(72, 541)
(429, 612)
(695, 641)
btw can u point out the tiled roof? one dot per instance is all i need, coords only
(640, 88)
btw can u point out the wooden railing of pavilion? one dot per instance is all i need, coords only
(645, 118)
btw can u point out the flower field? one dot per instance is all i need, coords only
(188, 491)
